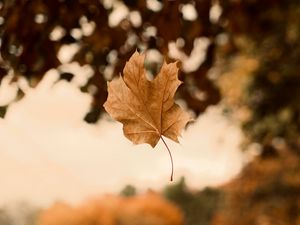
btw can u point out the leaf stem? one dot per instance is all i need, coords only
(170, 154)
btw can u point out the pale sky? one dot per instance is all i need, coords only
(49, 153)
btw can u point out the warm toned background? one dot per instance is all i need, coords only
(60, 153)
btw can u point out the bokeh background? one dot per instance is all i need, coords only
(64, 161)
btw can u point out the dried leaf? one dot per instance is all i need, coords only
(146, 108)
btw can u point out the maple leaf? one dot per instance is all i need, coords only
(146, 108)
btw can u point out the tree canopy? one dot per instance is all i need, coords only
(258, 40)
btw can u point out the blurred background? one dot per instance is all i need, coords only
(64, 161)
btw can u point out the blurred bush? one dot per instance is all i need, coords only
(199, 206)
(147, 209)
(20, 213)
(267, 192)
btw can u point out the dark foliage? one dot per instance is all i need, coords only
(199, 207)
(29, 49)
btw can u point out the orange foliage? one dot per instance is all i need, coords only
(147, 209)
(266, 192)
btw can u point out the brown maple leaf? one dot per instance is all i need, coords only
(146, 108)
